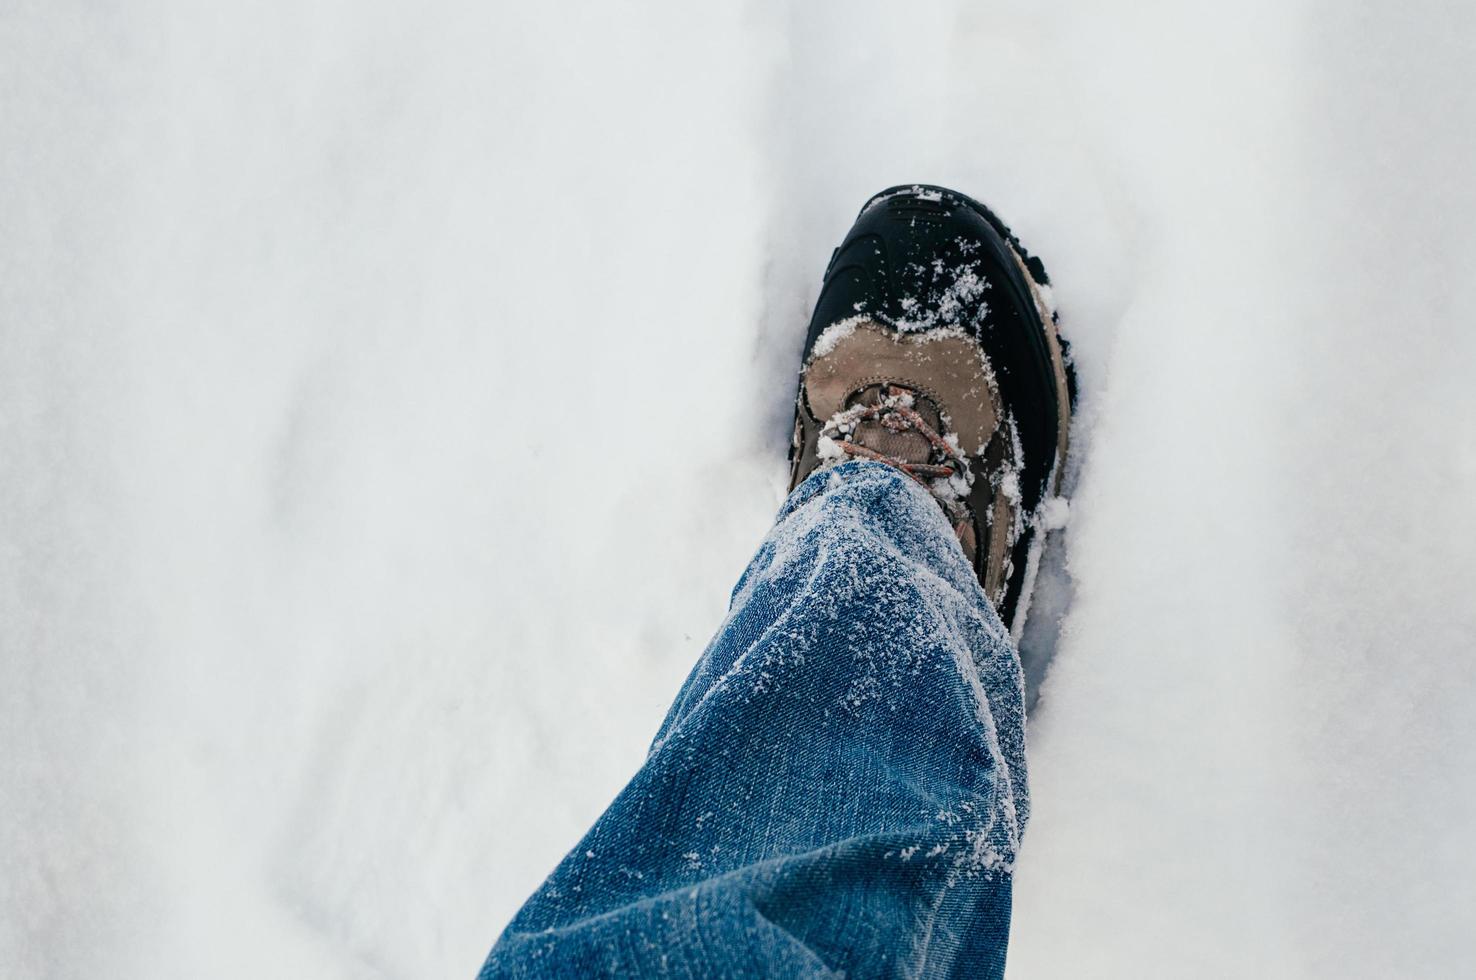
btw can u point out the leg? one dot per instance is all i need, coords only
(839, 787)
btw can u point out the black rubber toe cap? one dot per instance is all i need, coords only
(921, 257)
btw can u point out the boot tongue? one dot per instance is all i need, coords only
(905, 444)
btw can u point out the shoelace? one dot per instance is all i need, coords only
(894, 411)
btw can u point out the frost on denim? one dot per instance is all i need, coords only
(839, 788)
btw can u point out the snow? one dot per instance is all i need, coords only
(832, 335)
(390, 397)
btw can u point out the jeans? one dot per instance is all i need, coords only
(839, 788)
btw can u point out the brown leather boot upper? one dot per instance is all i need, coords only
(942, 377)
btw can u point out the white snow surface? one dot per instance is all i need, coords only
(390, 394)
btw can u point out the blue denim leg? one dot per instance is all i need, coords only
(839, 789)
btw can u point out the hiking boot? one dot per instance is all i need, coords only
(933, 348)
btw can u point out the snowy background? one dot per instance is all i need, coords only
(390, 394)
